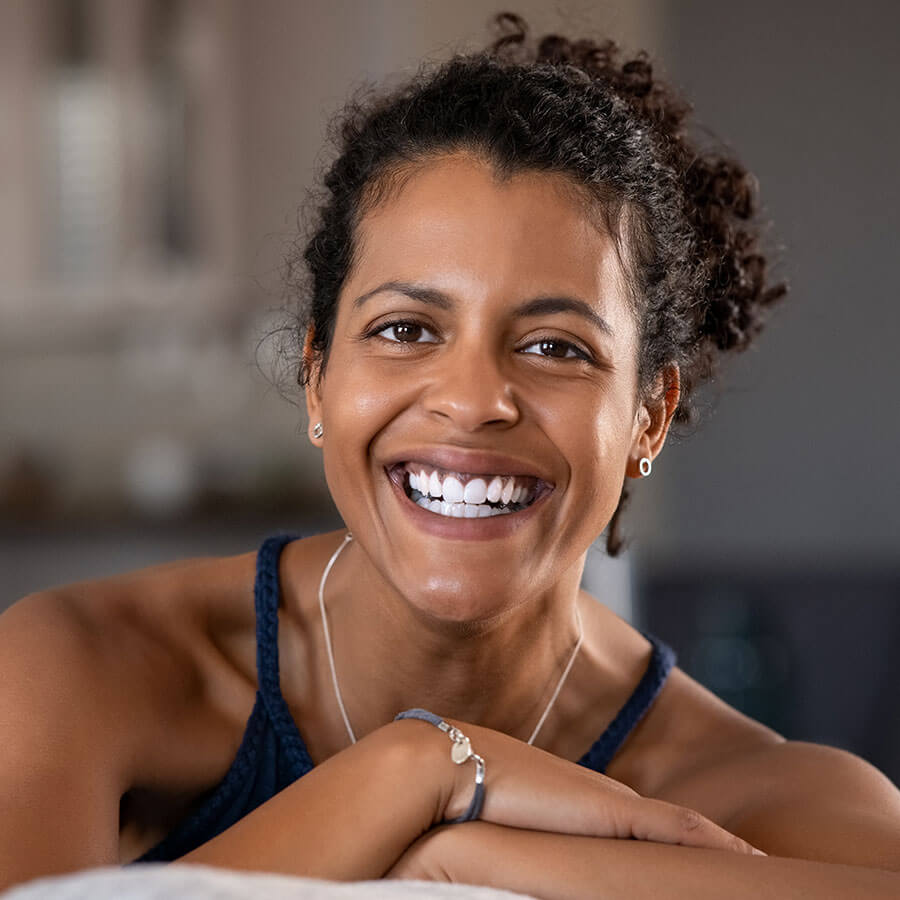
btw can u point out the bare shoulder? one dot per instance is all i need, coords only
(108, 686)
(126, 653)
(687, 732)
(786, 797)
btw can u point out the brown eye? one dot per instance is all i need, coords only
(554, 349)
(406, 333)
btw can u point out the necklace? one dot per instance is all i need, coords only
(334, 678)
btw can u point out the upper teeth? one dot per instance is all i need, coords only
(504, 489)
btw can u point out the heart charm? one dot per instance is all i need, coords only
(461, 751)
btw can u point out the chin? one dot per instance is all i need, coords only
(459, 601)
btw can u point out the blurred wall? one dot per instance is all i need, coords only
(794, 465)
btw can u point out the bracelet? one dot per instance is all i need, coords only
(460, 752)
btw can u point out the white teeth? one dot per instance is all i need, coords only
(461, 510)
(450, 496)
(453, 490)
(475, 491)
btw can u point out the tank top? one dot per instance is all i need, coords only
(272, 753)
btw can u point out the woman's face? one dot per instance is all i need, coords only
(483, 345)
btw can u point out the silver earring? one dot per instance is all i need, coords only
(318, 430)
(645, 465)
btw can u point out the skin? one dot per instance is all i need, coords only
(146, 681)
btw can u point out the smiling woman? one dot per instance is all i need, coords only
(500, 353)
(522, 270)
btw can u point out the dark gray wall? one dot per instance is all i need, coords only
(797, 465)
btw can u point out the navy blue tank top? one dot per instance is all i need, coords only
(272, 754)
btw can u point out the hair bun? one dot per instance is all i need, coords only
(722, 196)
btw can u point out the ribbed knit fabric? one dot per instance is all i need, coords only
(272, 754)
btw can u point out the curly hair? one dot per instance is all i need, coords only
(683, 217)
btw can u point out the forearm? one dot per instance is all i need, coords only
(560, 867)
(351, 817)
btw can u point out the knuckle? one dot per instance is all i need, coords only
(689, 819)
(739, 845)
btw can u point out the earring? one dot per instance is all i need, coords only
(318, 430)
(645, 465)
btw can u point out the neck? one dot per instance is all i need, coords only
(500, 672)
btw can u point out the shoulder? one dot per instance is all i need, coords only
(787, 797)
(687, 731)
(808, 801)
(127, 655)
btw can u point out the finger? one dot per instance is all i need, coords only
(668, 823)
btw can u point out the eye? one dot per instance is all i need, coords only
(554, 348)
(405, 333)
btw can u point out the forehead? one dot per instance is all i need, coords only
(454, 224)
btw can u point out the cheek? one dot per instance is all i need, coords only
(595, 418)
(358, 403)
(595, 443)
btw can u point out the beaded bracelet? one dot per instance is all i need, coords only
(460, 752)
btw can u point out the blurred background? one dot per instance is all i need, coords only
(153, 157)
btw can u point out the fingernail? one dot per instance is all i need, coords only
(758, 852)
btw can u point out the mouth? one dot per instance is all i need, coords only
(464, 495)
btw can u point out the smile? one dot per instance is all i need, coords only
(462, 495)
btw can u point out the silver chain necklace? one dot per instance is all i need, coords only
(334, 678)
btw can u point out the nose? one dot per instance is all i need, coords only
(471, 389)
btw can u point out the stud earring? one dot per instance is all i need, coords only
(318, 430)
(645, 465)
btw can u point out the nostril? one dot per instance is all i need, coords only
(473, 403)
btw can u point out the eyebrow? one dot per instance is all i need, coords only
(537, 306)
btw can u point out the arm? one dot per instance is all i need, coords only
(397, 783)
(830, 821)
(350, 818)
(60, 772)
(562, 867)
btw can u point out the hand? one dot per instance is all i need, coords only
(531, 789)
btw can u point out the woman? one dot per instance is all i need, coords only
(523, 269)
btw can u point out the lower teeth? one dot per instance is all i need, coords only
(462, 510)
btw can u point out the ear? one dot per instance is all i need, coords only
(653, 418)
(312, 370)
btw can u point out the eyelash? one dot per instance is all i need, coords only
(378, 330)
(578, 352)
